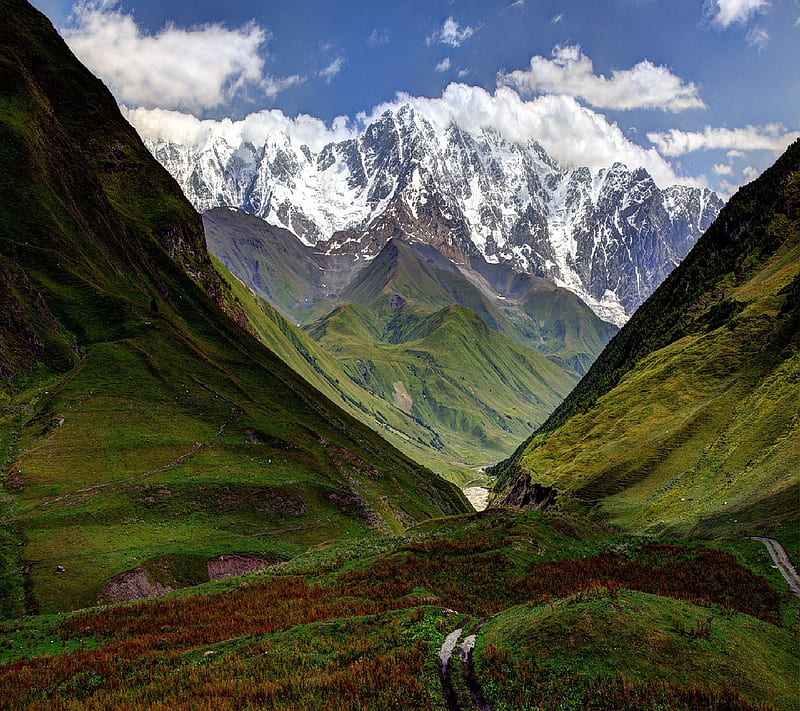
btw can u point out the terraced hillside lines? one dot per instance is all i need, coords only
(139, 418)
(688, 420)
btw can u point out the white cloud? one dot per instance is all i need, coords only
(733, 153)
(377, 38)
(757, 37)
(722, 169)
(462, 73)
(184, 128)
(444, 65)
(644, 86)
(451, 33)
(726, 12)
(332, 69)
(195, 68)
(770, 137)
(749, 173)
(572, 134)
(557, 18)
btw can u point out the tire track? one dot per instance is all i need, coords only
(452, 699)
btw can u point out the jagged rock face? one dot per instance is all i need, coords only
(610, 236)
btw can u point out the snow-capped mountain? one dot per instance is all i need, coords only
(611, 236)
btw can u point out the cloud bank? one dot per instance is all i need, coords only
(572, 134)
(770, 137)
(193, 69)
(570, 72)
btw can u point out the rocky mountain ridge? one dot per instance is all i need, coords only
(611, 236)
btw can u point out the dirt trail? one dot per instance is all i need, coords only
(452, 699)
(785, 566)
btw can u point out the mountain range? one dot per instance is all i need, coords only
(474, 353)
(610, 236)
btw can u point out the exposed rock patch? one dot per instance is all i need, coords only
(232, 564)
(162, 575)
(131, 585)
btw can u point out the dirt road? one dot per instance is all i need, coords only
(785, 566)
(471, 697)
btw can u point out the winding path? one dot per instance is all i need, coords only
(783, 563)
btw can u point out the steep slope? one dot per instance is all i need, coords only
(330, 376)
(688, 420)
(611, 235)
(305, 283)
(291, 276)
(139, 423)
(392, 300)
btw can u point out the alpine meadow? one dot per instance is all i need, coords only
(485, 398)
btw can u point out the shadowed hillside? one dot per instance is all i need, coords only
(688, 419)
(142, 429)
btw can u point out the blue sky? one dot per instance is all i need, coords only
(706, 90)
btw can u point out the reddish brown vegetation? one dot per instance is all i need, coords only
(515, 683)
(468, 577)
(143, 661)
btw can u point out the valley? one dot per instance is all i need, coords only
(396, 443)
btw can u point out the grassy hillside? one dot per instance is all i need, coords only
(296, 279)
(688, 420)
(138, 421)
(565, 604)
(619, 649)
(441, 399)
(327, 373)
(476, 390)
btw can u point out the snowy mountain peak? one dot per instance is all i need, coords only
(611, 236)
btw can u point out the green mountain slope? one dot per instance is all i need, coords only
(139, 424)
(474, 388)
(327, 373)
(456, 418)
(296, 279)
(529, 310)
(688, 420)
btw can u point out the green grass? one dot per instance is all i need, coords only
(374, 613)
(436, 390)
(477, 391)
(131, 373)
(639, 636)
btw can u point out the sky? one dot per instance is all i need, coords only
(705, 92)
